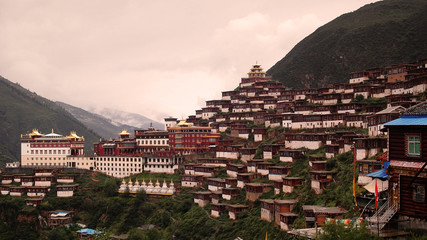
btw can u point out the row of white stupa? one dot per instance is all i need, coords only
(148, 188)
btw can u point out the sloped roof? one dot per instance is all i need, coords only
(419, 109)
(395, 109)
(409, 120)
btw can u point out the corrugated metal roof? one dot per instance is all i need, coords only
(411, 120)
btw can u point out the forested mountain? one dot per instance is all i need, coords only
(376, 35)
(22, 110)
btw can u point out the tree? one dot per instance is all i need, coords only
(60, 233)
(359, 98)
(110, 187)
(340, 231)
(141, 195)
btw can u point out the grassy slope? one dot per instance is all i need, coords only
(376, 35)
(21, 111)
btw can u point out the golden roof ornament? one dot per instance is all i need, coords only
(124, 132)
(35, 132)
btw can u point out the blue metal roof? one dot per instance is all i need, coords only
(378, 174)
(89, 231)
(409, 120)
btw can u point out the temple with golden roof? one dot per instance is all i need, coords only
(52, 150)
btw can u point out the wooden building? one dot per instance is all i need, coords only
(6, 179)
(278, 186)
(290, 183)
(247, 154)
(254, 190)
(63, 178)
(37, 191)
(5, 189)
(230, 182)
(243, 178)
(317, 163)
(205, 171)
(216, 184)
(216, 196)
(34, 201)
(316, 215)
(271, 150)
(191, 180)
(17, 191)
(43, 172)
(216, 162)
(275, 173)
(234, 169)
(321, 180)
(230, 193)
(27, 181)
(66, 190)
(282, 206)
(60, 218)
(287, 220)
(43, 181)
(253, 165)
(217, 209)
(234, 210)
(202, 198)
(408, 166)
(291, 155)
(267, 210)
(263, 168)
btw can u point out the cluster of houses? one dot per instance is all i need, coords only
(404, 156)
(222, 191)
(313, 118)
(264, 101)
(36, 186)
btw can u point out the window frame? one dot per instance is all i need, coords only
(408, 142)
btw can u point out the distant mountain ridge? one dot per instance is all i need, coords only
(119, 118)
(106, 126)
(22, 110)
(99, 124)
(376, 35)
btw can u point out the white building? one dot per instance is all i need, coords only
(49, 150)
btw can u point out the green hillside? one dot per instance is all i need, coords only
(22, 110)
(376, 35)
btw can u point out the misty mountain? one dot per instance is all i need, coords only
(119, 118)
(99, 124)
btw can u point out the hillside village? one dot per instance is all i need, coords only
(253, 144)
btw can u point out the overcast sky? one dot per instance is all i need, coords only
(155, 58)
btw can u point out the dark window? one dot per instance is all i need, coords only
(419, 193)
